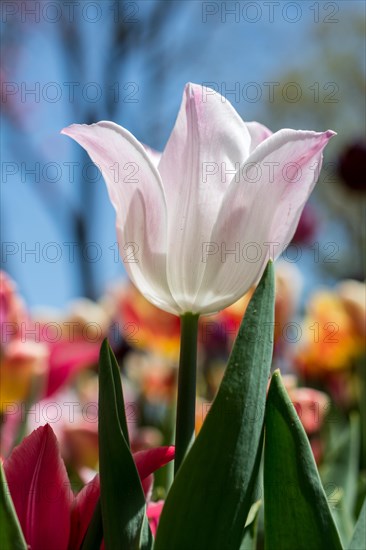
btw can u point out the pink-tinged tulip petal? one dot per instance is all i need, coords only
(146, 463)
(136, 192)
(205, 196)
(154, 155)
(297, 174)
(153, 513)
(259, 214)
(40, 490)
(68, 358)
(207, 145)
(258, 133)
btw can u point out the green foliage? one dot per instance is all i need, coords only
(297, 514)
(359, 536)
(11, 536)
(122, 498)
(339, 474)
(212, 494)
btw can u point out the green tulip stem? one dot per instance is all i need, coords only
(186, 405)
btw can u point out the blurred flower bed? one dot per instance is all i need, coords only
(49, 374)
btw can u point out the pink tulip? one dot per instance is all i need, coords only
(220, 186)
(49, 513)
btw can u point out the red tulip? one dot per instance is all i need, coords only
(146, 463)
(50, 515)
(154, 510)
(40, 490)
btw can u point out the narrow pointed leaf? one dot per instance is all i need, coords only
(146, 538)
(11, 535)
(122, 498)
(249, 541)
(95, 529)
(359, 535)
(108, 358)
(211, 496)
(296, 511)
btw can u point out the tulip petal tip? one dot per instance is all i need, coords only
(69, 130)
(66, 131)
(189, 88)
(330, 133)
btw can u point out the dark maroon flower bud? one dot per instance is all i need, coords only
(351, 166)
(307, 227)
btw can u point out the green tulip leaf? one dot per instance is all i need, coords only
(359, 536)
(11, 535)
(249, 541)
(296, 511)
(210, 498)
(94, 535)
(339, 475)
(121, 495)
